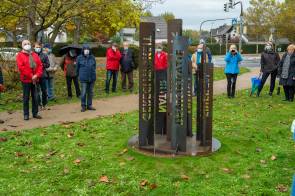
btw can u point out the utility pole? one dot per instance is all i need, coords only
(231, 5)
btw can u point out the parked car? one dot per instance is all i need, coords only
(8, 53)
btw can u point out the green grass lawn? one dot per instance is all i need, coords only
(12, 98)
(70, 159)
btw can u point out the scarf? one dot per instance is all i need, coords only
(32, 62)
(286, 66)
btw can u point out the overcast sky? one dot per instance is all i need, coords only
(193, 12)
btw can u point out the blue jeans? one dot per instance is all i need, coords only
(50, 88)
(111, 74)
(87, 94)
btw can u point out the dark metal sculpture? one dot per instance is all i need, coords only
(161, 101)
(173, 98)
(146, 85)
(179, 88)
(174, 29)
(205, 101)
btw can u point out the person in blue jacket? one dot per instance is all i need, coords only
(232, 59)
(196, 61)
(86, 71)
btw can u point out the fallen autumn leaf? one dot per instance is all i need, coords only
(104, 179)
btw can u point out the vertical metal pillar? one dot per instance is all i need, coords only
(180, 71)
(146, 83)
(205, 102)
(174, 29)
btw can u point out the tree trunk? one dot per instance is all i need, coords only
(14, 39)
(54, 34)
(257, 49)
(77, 30)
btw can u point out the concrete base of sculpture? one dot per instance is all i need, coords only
(162, 147)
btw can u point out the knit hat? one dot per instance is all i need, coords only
(47, 46)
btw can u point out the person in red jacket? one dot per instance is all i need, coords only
(113, 63)
(30, 68)
(161, 59)
(160, 66)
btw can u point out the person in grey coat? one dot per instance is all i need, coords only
(287, 73)
(269, 66)
(47, 49)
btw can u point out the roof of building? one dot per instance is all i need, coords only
(161, 25)
(222, 30)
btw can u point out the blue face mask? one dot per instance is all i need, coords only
(38, 50)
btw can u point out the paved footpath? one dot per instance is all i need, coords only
(122, 104)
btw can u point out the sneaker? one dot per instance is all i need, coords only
(37, 116)
(26, 117)
(270, 94)
(83, 109)
(91, 108)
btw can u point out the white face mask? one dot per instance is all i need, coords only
(27, 47)
(125, 48)
(158, 50)
(268, 47)
(38, 50)
(200, 50)
(86, 52)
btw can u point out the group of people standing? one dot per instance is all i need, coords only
(271, 65)
(37, 66)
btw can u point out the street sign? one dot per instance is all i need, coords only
(234, 21)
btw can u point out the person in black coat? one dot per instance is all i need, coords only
(43, 100)
(127, 66)
(86, 71)
(269, 66)
(287, 73)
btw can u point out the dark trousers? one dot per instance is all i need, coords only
(87, 94)
(111, 74)
(30, 89)
(128, 75)
(42, 88)
(273, 76)
(289, 92)
(231, 84)
(76, 84)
